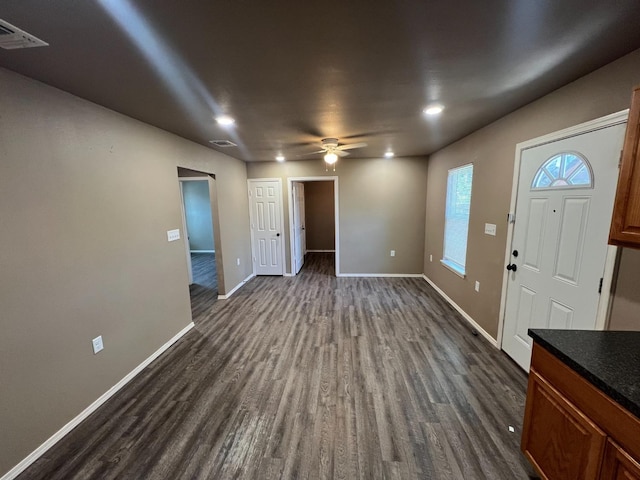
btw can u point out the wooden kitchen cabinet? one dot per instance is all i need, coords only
(618, 464)
(553, 421)
(625, 223)
(573, 430)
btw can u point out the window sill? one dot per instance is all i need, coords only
(454, 269)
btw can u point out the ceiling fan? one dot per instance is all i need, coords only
(332, 150)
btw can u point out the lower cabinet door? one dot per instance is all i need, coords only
(618, 464)
(558, 439)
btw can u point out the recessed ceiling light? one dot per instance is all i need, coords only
(433, 109)
(225, 120)
(389, 155)
(280, 158)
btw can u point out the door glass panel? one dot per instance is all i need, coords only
(563, 170)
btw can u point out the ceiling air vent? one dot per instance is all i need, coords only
(12, 37)
(223, 143)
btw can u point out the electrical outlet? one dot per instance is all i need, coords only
(238, 261)
(173, 235)
(431, 258)
(97, 344)
(393, 253)
(477, 286)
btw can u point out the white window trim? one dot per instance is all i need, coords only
(449, 265)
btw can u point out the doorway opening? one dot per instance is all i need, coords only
(201, 237)
(313, 220)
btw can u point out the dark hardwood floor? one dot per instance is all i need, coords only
(204, 289)
(311, 377)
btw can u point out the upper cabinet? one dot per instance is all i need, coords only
(625, 225)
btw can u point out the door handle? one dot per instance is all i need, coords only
(515, 253)
(512, 267)
(277, 234)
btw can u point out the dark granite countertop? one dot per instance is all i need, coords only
(609, 360)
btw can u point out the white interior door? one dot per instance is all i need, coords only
(299, 236)
(265, 198)
(563, 212)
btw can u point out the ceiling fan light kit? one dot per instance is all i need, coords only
(331, 158)
(332, 149)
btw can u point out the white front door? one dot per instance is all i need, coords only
(299, 236)
(265, 198)
(563, 212)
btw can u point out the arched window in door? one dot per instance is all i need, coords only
(564, 170)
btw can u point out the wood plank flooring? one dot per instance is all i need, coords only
(204, 289)
(311, 377)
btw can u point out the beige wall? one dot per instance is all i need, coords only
(492, 151)
(86, 198)
(319, 215)
(381, 207)
(625, 307)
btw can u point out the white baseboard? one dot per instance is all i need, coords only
(381, 275)
(466, 316)
(234, 289)
(320, 251)
(202, 251)
(56, 437)
(288, 274)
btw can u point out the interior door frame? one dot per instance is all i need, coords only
(611, 120)
(281, 212)
(336, 215)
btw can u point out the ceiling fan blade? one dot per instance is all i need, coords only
(299, 144)
(352, 146)
(369, 134)
(340, 153)
(311, 153)
(307, 129)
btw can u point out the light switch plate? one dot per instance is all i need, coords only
(173, 235)
(393, 253)
(97, 344)
(490, 229)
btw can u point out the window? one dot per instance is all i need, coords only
(456, 220)
(565, 170)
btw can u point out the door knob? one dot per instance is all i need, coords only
(277, 234)
(512, 266)
(514, 253)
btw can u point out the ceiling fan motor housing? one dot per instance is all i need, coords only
(329, 143)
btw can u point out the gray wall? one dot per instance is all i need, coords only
(320, 215)
(492, 150)
(197, 210)
(86, 198)
(381, 207)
